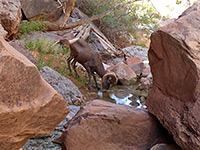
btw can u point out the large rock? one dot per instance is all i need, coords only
(124, 73)
(65, 87)
(175, 64)
(2, 31)
(10, 15)
(101, 125)
(47, 9)
(28, 105)
(136, 51)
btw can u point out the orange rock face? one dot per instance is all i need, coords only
(133, 60)
(28, 105)
(101, 125)
(175, 65)
(124, 73)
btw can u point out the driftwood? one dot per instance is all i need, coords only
(101, 37)
(61, 23)
(83, 27)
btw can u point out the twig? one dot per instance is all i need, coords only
(96, 17)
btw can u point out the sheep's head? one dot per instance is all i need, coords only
(67, 42)
(108, 79)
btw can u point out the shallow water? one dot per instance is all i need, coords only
(127, 95)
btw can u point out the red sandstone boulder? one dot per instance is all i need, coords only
(101, 125)
(124, 73)
(136, 64)
(175, 65)
(28, 105)
(133, 60)
(145, 84)
(10, 15)
(146, 71)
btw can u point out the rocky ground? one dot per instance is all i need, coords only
(34, 100)
(132, 89)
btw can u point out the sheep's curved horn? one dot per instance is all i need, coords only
(113, 77)
(55, 43)
(73, 40)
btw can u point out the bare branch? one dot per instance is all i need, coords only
(96, 17)
(62, 5)
(61, 23)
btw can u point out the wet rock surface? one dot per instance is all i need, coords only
(127, 95)
(26, 101)
(174, 60)
(66, 88)
(103, 125)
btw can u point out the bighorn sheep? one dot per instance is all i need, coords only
(90, 59)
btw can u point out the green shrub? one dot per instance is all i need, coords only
(82, 80)
(27, 27)
(137, 16)
(49, 55)
(45, 46)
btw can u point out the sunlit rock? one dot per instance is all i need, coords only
(124, 73)
(28, 104)
(175, 65)
(101, 125)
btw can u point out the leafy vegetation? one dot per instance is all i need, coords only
(49, 55)
(138, 16)
(52, 56)
(27, 27)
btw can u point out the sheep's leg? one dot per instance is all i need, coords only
(89, 76)
(74, 67)
(95, 81)
(68, 62)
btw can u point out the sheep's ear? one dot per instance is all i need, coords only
(73, 40)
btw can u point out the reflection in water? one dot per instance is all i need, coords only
(125, 100)
(133, 101)
(100, 94)
(140, 104)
